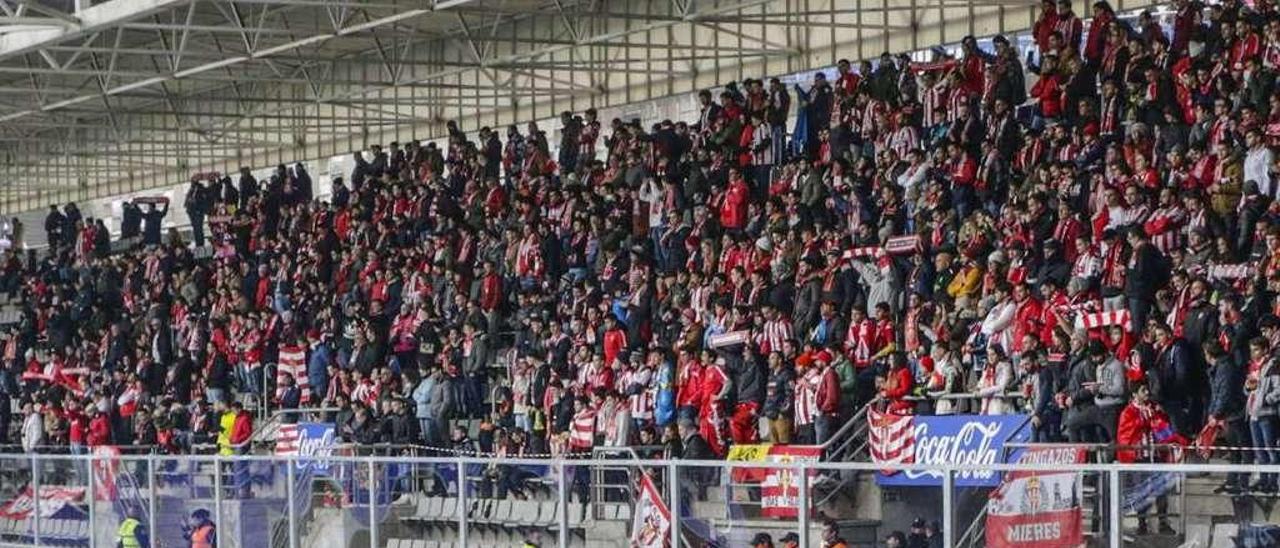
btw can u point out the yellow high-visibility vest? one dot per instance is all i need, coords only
(225, 423)
(126, 536)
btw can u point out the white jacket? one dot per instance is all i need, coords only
(32, 432)
(996, 326)
(993, 385)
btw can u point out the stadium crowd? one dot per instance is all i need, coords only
(926, 230)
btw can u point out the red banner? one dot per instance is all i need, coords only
(1060, 528)
(780, 490)
(106, 462)
(755, 452)
(1038, 508)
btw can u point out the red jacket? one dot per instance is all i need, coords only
(76, 426)
(242, 428)
(964, 171)
(1093, 46)
(490, 291)
(896, 387)
(690, 388)
(99, 430)
(1049, 90)
(1144, 425)
(733, 211)
(615, 340)
(1043, 28)
(829, 392)
(1026, 321)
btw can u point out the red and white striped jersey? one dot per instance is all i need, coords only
(773, 334)
(904, 140)
(806, 394)
(1087, 265)
(582, 432)
(934, 104)
(293, 361)
(641, 404)
(1165, 226)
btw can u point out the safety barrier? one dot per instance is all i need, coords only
(444, 492)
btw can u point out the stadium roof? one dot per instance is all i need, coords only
(124, 95)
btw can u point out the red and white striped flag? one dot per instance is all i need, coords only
(1109, 318)
(127, 403)
(893, 439)
(293, 360)
(1230, 271)
(903, 245)
(287, 440)
(861, 252)
(721, 340)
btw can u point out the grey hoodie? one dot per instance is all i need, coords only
(1111, 389)
(1263, 400)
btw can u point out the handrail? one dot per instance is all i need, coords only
(1213, 468)
(849, 424)
(274, 420)
(976, 527)
(847, 434)
(599, 486)
(842, 452)
(59, 449)
(965, 396)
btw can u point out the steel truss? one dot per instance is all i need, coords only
(124, 95)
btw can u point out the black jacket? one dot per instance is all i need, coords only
(696, 448)
(1226, 389)
(749, 378)
(779, 394)
(152, 223)
(1175, 367)
(1147, 274)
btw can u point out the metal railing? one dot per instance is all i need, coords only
(1095, 453)
(370, 467)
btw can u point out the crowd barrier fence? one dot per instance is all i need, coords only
(136, 482)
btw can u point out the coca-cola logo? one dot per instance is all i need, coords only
(976, 443)
(316, 443)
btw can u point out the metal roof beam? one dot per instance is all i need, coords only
(236, 60)
(91, 19)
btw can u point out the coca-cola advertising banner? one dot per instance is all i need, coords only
(314, 441)
(955, 440)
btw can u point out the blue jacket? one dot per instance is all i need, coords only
(422, 398)
(665, 405)
(318, 369)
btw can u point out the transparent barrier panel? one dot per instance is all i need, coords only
(1152, 507)
(405, 500)
(585, 489)
(18, 525)
(185, 503)
(912, 503)
(712, 509)
(62, 500)
(411, 501)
